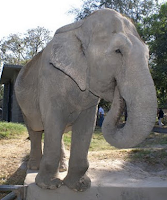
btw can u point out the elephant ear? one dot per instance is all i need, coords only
(67, 54)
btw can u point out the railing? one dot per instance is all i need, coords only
(17, 191)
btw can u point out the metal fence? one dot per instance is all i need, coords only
(16, 191)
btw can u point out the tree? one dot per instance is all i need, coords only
(20, 48)
(12, 49)
(134, 9)
(155, 34)
(35, 40)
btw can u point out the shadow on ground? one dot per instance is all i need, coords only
(159, 129)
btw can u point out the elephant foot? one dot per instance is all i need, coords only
(80, 184)
(33, 164)
(45, 182)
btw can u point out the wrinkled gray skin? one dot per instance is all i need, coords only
(101, 56)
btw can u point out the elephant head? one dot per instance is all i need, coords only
(105, 55)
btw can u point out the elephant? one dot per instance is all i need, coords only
(99, 57)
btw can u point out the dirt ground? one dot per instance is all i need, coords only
(14, 154)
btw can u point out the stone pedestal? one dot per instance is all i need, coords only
(105, 186)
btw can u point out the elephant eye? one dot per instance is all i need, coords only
(118, 51)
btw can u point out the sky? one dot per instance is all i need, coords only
(17, 16)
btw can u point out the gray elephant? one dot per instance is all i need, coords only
(101, 56)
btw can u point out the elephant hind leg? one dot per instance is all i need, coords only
(63, 163)
(36, 152)
(36, 149)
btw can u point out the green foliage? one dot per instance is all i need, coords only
(10, 130)
(105, 105)
(20, 48)
(87, 8)
(134, 9)
(155, 33)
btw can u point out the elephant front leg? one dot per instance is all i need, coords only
(47, 177)
(83, 128)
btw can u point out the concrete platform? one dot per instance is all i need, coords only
(106, 185)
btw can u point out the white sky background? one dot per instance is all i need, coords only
(17, 16)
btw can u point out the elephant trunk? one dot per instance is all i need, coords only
(141, 102)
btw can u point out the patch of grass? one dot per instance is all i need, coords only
(154, 139)
(153, 150)
(150, 156)
(10, 130)
(148, 150)
(98, 143)
(139, 153)
(67, 140)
